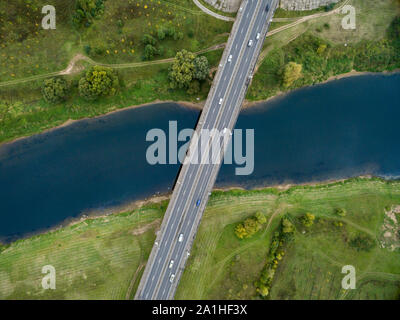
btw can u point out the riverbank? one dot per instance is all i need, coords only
(112, 248)
(199, 105)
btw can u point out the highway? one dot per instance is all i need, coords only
(195, 181)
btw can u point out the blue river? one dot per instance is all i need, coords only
(339, 129)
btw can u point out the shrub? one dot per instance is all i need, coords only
(291, 73)
(55, 89)
(98, 81)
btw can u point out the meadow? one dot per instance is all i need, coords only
(103, 257)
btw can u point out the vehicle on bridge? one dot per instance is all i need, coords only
(171, 278)
(171, 264)
(180, 237)
(250, 43)
(198, 202)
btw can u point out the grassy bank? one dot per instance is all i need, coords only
(103, 257)
(317, 44)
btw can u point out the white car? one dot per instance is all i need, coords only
(180, 237)
(250, 43)
(230, 58)
(220, 101)
(171, 278)
(171, 264)
(258, 36)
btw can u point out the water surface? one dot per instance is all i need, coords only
(340, 129)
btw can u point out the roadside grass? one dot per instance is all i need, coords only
(98, 258)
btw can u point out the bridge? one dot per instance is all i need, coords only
(196, 180)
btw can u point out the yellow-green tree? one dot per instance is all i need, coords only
(308, 220)
(291, 73)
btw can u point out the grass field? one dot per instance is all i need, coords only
(103, 258)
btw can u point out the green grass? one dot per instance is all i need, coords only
(367, 49)
(98, 258)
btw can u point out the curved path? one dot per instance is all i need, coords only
(212, 13)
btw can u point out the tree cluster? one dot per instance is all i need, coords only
(275, 254)
(250, 226)
(86, 11)
(188, 70)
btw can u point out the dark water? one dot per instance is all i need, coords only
(340, 129)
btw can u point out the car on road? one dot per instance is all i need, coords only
(267, 8)
(230, 58)
(180, 237)
(250, 43)
(171, 264)
(220, 101)
(258, 36)
(171, 278)
(198, 203)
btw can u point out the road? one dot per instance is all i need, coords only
(195, 181)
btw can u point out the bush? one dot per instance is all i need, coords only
(148, 39)
(291, 73)
(307, 220)
(98, 81)
(55, 89)
(362, 242)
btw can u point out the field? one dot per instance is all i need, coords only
(103, 258)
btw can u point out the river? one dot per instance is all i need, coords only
(339, 129)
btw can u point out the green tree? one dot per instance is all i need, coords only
(149, 52)
(55, 89)
(161, 34)
(201, 68)
(261, 218)
(308, 220)
(98, 81)
(148, 39)
(182, 70)
(86, 11)
(291, 73)
(341, 212)
(287, 226)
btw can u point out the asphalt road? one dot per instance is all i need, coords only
(195, 181)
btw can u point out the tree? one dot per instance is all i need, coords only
(86, 11)
(287, 226)
(341, 212)
(149, 52)
(98, 81)
(321, 49)
(261, 218)
(308, 220)
(201, 68)
(148, 39)
(55, 89)
(182, 70)
(263, 290)
(161, 34)
(291, 73)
